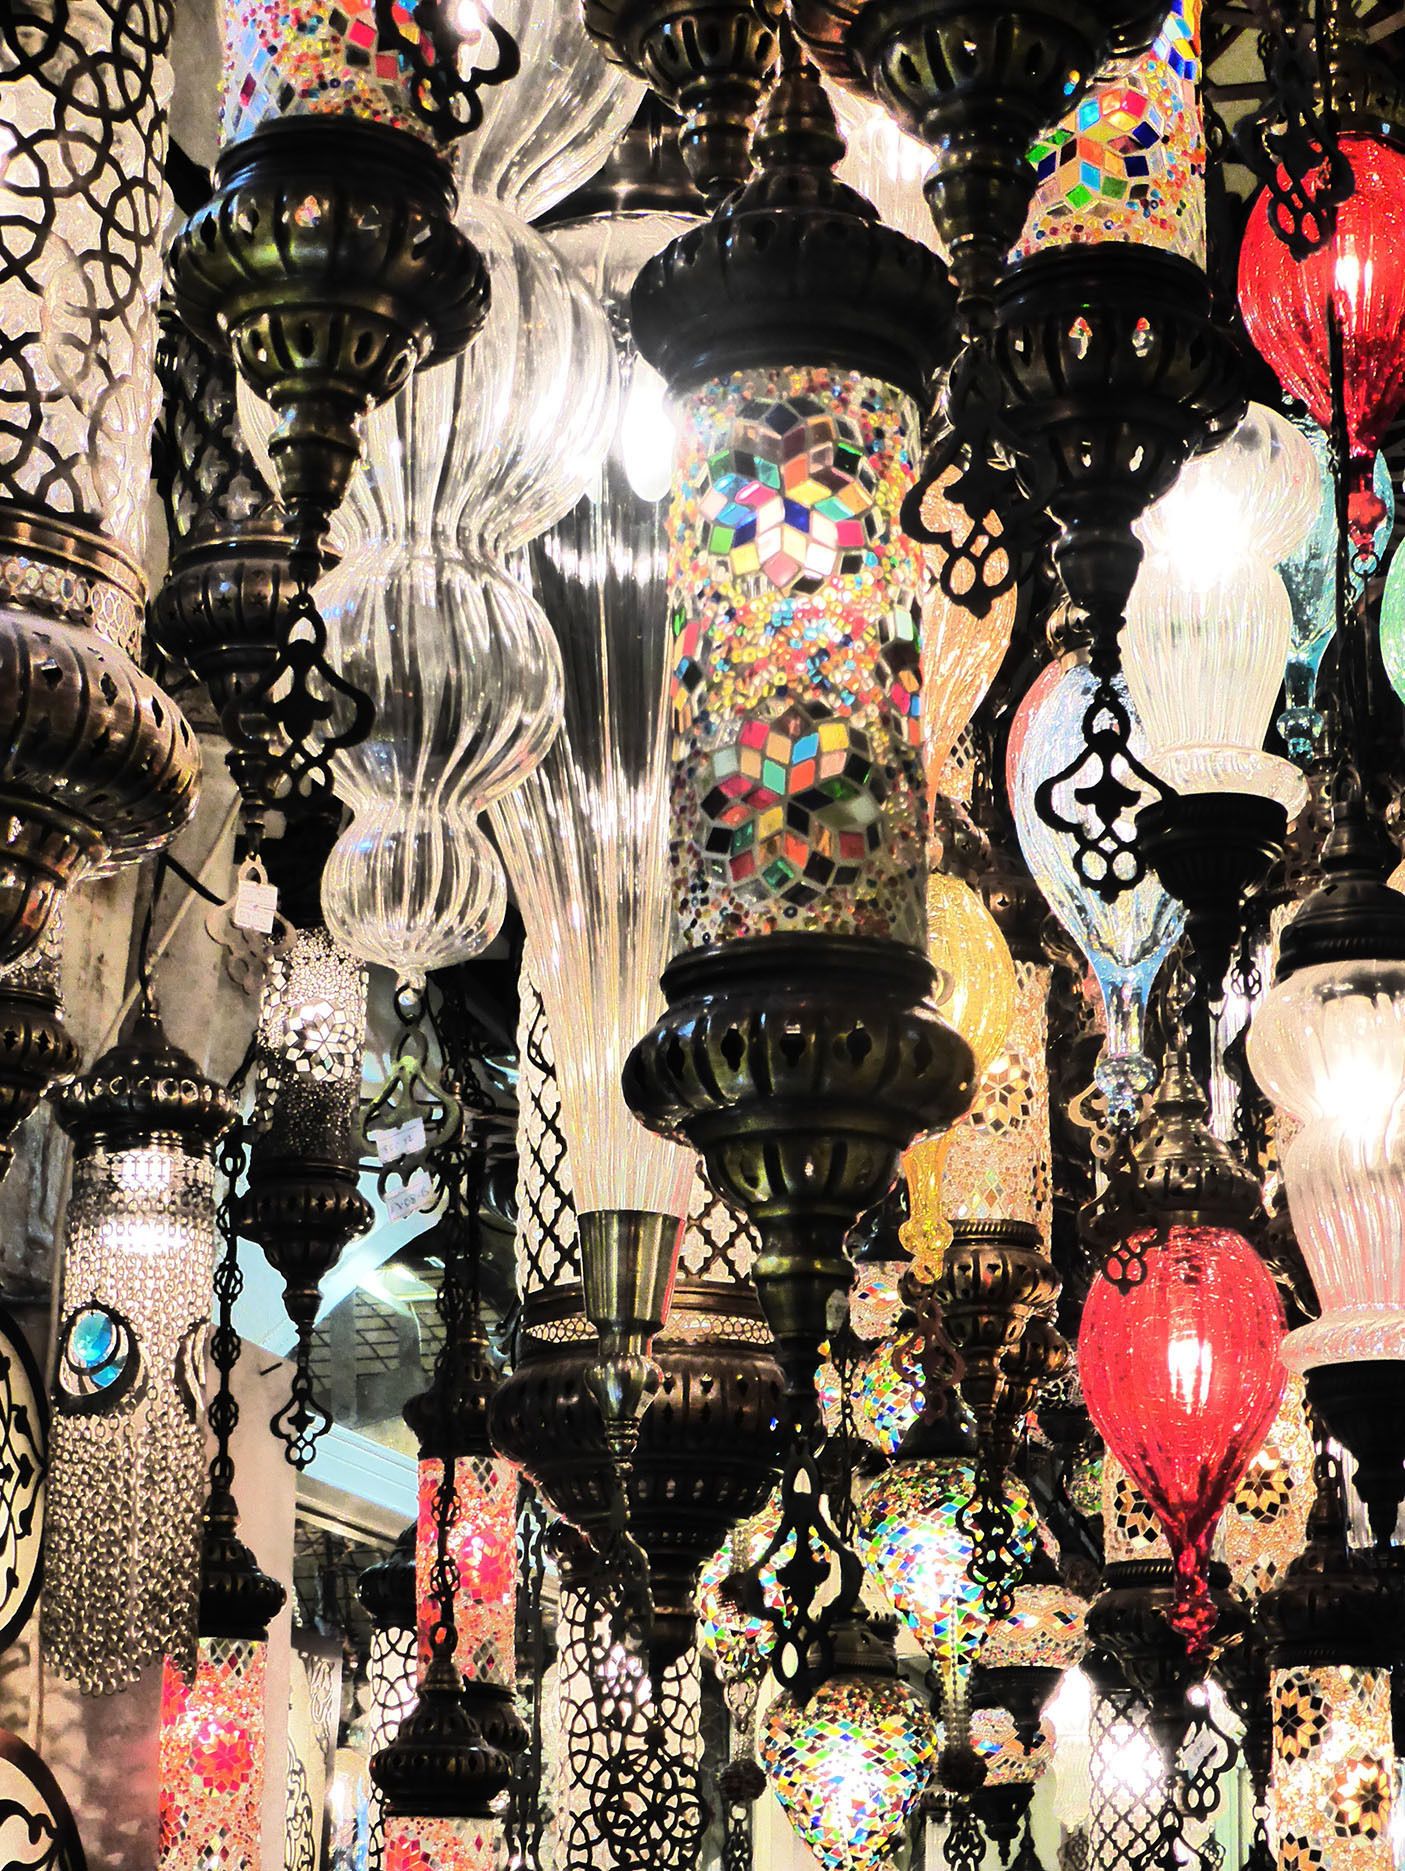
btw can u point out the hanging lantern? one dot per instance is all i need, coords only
(1392, 623)
(212, 1754)
(798, 799)
(302, 1204)
(100, 767)
(709, 1443)
(1354, 278)
(1181, 1376)
(387, 1590)
(1125, 940)
(1333, 1636)
(585, 841)
(850, 1764)
(126, 1450)
(1265, 1524)
(1310, 575)
(978, 98)
(965, 634)
(1208, 628)
(915, 1532)
(1325, 1046)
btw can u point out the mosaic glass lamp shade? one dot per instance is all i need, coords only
(483, 1546)
(849, 1765)
(1128, 162)
(1125, 940)
(910, 1534)
(799, 798)
(1209, 621)
(1331, 1782)
(321, 58)
(211, 1757)
(1265, 1525)
(1045, 1629)
(440, 1844)
(1182, 1376)
(1356, 277)
(1010, 1760)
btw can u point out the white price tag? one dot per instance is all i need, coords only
(1199, 1750)
(417, 1193)
(255, 906)
(398, 1140)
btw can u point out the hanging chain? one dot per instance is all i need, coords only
(225, 1342)
(1290, 144)
(303, 1420)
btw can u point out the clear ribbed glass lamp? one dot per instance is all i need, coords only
(1125, 940)
(1209, 621)
(585, 839)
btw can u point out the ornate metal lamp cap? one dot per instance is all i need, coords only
(1185, 1173)
(387, 1589)
(237, 1597)
(143, 1090)
(451, 1417)
(794, 268)
(440, 1764)
(860, 1646)
(644, 174)
(1353, 915)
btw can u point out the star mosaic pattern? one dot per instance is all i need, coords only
(790, 501)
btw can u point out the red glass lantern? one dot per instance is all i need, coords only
(1182, 1377)
(1360, 273)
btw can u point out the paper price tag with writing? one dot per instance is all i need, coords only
(397, 1140)
(255, 906)
(417, 1193)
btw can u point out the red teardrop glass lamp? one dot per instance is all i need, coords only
(1182, 1377)
(1360, 271)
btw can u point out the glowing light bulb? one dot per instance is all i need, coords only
(1190, 1364)
(647, 433)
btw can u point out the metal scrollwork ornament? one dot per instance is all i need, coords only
(447, 66)
(1291, 143)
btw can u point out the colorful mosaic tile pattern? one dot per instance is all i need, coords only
(293, 58)
(442, 1844)
(1009, 1763)
(1045, 1630)
(998, 1166)
(1128, 163)
(483, 1545)
(886, 1392)
(211, 1759)
(1330, 1786)
(1265, 1524)
(849, 1767)
(910, 1534)
(798, 798)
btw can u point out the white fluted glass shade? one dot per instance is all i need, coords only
(1209, 623)
(1125, 940)
(553, 125)
(1328, 1047)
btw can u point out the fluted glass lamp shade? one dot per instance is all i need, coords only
(1182, 1377)
(1209, 621)
(211, 1757)
(473, 458)
(799, 798)
(1330, 1787)
(1125, 940)
(550, 128)
(1310, 574)
(1328, 1046)
(1128, 162)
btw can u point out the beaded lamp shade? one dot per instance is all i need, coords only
(126, 1451)
(798, 798)
(1128, 162)
(1330, 1791)
(211, 1757)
